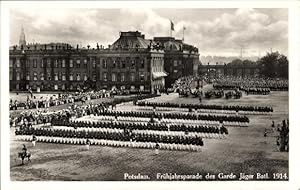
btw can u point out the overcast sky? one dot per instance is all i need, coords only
(214, 31)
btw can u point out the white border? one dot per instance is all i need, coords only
(294, 95)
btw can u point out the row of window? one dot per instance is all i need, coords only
(77, 63)
(71, 87)
(77, 77)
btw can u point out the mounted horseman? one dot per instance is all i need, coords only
(24, 154)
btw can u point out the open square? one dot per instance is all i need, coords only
(245, 150)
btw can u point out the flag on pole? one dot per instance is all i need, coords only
(172, 25)
(183, 29)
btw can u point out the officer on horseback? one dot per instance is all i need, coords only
(24, 149)
(24, 154)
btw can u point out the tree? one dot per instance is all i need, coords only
(248, 62)
(236, 62)
(274, 65)
(283, 67)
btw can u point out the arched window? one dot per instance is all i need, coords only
(85, 77)
(71, 77)
(42, 76)
(27, 76)
(71, 63)
(78, 76)
(35, 76)
(17, 76)
(122, 77)
(113, 77)
(63, 63)
(104, 76)
(63, 76)
(55, 76)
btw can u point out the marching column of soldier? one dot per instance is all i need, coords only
(207, 106)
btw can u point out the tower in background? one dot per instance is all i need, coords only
(22, 41)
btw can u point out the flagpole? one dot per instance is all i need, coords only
(170, 32)
(171, 27)
(183, 34)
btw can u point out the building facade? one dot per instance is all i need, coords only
(131, 63)
(180, 59)
(240, 70)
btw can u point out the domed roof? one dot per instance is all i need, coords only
(131, 40)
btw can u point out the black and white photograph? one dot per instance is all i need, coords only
(148, 94)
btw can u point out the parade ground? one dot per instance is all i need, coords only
(245, 150)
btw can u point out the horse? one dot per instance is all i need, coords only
(24, 155)
(229, 94)
(238, 95)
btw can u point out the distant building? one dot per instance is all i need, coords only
(234, 70)
(130, 63)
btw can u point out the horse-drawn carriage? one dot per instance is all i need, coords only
(233, 94)
(214, 93)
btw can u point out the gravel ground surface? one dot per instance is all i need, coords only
(246, 150)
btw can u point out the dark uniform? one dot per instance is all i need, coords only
(24, 149)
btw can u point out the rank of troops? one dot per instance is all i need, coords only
(207, 106)
(256, 91)
(125, 135)
(187, 137)
(260, 84)
(184, 116)
(142, 126)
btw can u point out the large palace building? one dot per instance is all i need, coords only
(130, 63)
